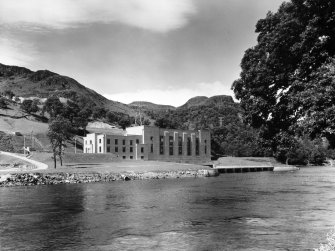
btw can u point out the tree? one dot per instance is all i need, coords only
(53, 106)
(288, 71)
(29, 106)
(59, 131)
(99, 112)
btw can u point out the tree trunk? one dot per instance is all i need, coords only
(55, 161)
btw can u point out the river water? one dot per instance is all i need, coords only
(245, 211)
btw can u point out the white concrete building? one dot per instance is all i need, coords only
(152, 143)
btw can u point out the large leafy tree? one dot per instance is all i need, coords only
(287, 79)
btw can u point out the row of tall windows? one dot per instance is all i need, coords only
(180, 146)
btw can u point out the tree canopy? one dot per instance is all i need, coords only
(287, 79)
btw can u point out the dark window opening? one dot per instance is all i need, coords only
(197, 151)
(161, 144)
(108, 141)
(171, 145)
(188, 146)
(116, 149)
(180, 145)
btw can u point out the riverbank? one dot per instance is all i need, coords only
(30, 179)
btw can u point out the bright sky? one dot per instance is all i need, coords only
(162, 51)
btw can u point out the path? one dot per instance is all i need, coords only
(39, 165)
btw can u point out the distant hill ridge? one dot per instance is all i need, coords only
(44, 83)
(196, 101)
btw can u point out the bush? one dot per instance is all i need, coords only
(3, 103)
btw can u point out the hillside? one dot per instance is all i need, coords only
(205, 101)
(43, 83)
(150, 106)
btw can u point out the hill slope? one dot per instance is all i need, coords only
(43, 83)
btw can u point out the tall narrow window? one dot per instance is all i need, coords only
(188, 146)
(205, 146)
(131, 149)
(123, 149)
(108, 149)
(99, 149)
(180, 145)
(116, 142)
(116, 149)
(197, 151)
(131, 142)
(171, 145)
(137, 141)
(99, 140)
(108, 141)
(152, 144)
(161, 144)
(123, 142)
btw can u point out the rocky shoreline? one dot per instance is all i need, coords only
(41, 178)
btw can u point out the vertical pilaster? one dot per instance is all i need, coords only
(166, 143)
(192, 144)
(175, 143)
(185, 135)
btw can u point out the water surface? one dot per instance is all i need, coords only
(245, 211)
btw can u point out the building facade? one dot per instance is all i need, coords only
(152, 143)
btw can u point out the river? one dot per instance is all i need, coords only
(245, 211)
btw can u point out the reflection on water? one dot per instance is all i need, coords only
(248, 211)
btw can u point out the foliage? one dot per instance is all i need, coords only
(99, 112)
(29, 106)
(126, 121)
(9, 94)
(236, 139)
(53, 106)
(6, 143)
(287, 79)
(59, 131)
(3, 103)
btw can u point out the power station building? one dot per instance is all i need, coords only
(151, 143)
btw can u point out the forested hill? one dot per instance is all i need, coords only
(43, 84)
(144, 105)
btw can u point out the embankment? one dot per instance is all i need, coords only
(30, 179)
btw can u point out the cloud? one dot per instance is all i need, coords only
(172, 96)
(14, 52)
(154, 15)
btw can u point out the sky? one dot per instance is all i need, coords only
(161, 51)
